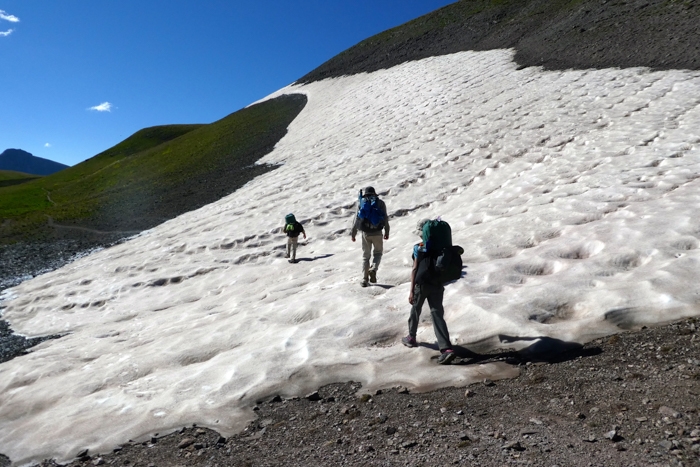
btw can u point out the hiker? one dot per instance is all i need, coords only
(370, 218)
(292, 228)
(426, 284)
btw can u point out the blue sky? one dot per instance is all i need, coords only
(80, 76)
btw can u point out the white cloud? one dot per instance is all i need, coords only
(10, 18)
(103, 107)
(47, 145)
(6, 33)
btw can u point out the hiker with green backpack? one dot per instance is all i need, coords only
(292, 228)
(435, 262)
(370, 219)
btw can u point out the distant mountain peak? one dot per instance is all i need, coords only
(23, 161)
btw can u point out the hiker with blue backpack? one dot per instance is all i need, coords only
(292, 228)
(435, 262)
(370, 219)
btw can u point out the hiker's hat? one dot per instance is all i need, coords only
(419, 227)
(370, 191)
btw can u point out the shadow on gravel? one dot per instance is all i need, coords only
(542, 349)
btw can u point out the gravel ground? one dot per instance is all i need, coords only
(627, 400)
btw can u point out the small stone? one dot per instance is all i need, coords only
(666, 444)
(468, 393)
(198, 446)
(590, 439)
(221, 440)
(369, 448)
(409, 444)
(200, 432)
(488, 382)
(82, 454)
(536, 421)
(378, 392)
(580, 416)
(313, 397)
(612, 436)
(98, 461)
(695, 433)
(277, 398)
(459, 412)
(464, 437)
(186, 442)
(329, 399)
(668, 412)
(641, 419)
(390, 430)
(402, 390)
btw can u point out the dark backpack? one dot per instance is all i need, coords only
(446, 258)
(370, 213)
(448, 264)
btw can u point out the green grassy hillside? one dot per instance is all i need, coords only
(154, 175)
(10, 177)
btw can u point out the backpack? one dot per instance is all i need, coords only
(448, 264)
(447, 258)
(437, 235)
(289, 222)
(370, 213)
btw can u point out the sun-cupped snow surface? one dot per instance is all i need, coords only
(574, 194)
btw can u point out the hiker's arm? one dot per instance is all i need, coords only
(353, 232)
(411, 299)
(386, 223)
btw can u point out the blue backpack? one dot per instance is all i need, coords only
(371, 214)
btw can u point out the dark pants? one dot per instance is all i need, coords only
(432, 293)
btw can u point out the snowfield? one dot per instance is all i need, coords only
(575, 195)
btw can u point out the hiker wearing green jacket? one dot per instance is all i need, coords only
(371, 219)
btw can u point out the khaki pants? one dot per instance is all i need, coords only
(292, 243)
(371, 242)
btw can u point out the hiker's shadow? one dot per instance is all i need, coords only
(299, 260)
(542, 349)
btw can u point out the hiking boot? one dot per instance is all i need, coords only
(446, 357)
(373, 276)
(409, 341)
(364, 283)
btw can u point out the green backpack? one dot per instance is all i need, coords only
(289, 221)
(437, 235)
